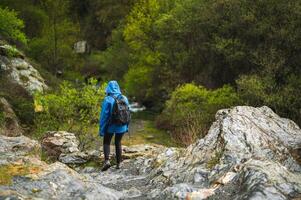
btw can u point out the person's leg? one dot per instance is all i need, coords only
(118, 148)
(106, 149)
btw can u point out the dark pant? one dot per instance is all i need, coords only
(106, 145)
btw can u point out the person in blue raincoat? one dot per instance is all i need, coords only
(107, 129)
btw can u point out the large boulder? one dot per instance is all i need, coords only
(9, 124)
(35, 179)
(15, 149)
(248, 153)
(63, 146)
(20, 71)
(245, 155)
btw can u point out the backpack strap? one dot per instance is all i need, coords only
(117, 98)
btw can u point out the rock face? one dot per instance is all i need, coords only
(20, 71)
(248, 153)
(17, 149)
(43, 181)
(9, 124)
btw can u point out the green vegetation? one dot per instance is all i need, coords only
(191, 109)
(213, 43)
(10, 51)
(11, 26)
(53, 49)
(148, 134)
(258, 90)
(234, 52)
(70, 108)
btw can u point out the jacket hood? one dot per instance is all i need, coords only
(113, 88)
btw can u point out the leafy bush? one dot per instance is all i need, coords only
(69, 108)
(191, 109)
(284, 99)
(11, 26)
(138, 82)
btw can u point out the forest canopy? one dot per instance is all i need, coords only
(156, 47)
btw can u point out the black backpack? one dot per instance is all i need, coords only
(121, 114)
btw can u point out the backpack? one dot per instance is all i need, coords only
(121, 114)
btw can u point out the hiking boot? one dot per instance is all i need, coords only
(106, 166)
(118, 166)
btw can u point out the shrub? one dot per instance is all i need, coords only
(191, 109)
(69, 108)
(284, 99)
(11, 26)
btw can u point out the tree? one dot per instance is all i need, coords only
(11, 26)
(29, 11)
(54, 49)
(98, 18)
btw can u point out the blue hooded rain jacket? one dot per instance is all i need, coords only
(107, 108)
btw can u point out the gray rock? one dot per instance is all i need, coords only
(245, 155)
(59, 182)
(73, 158)
(21, 71)
(15, 148)
(132, 193)
(246, 148)
(56, 143)
(54, 181)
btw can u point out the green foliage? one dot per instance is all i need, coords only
(54, 48)
(70, 108)
(153, 46)
(10, 51)
(262, 90)
(146, 74)
(115, 59)
(138, 82)
(51, 30)
(11, 26)
(209, 42)
(28, 10)
(191, 109)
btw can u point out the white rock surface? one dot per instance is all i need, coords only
(21, 71)
(245, 155)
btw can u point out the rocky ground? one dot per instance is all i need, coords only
(248, 153)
